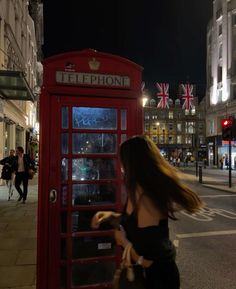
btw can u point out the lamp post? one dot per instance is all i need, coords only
(158, 133)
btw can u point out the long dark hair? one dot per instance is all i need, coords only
(144, 166)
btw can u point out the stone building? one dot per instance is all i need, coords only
(176, 131)
(19, 74)
(221, 77)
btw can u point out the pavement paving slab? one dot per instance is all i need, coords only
(18, 239)
(12, 276)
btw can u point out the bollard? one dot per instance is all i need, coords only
(200, 174)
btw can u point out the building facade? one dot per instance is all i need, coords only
(19, 75)
(179, 133)
(221, 77)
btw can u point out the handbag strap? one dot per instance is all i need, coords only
(126, 258)
(126, 254)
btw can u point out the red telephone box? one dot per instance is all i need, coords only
(90, 103)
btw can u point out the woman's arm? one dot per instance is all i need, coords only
(121, 240)
(103, 216)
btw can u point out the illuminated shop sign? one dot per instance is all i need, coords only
(93, 79)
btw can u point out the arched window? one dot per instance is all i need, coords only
(170, 102)
(177, 102)
(152, 102)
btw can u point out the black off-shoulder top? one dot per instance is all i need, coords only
(153, 243)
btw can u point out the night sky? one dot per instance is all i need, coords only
(166, 37)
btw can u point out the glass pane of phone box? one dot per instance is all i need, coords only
(93, 194)
(88, 247)
(93, 273)
(81, 222)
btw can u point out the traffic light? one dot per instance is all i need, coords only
(227, 127)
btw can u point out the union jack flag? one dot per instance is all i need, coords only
(163, 94)
(187, 95)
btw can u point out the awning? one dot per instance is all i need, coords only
(13, 85)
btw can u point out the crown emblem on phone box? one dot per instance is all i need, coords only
(94, 64)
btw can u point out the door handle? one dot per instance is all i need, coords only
(53, 196)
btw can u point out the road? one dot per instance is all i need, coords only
(206, 242)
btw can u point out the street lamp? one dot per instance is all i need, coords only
(158, 132)
(144, 99)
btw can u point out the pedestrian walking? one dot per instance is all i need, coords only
(227, 162)
(23, 167)
(221, 163)
(7, 171)
(154, 194)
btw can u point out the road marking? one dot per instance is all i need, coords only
(206, 214)
(206, 234)
(217, 196)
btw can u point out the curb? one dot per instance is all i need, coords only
(229, 190)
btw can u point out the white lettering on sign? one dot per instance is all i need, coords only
(104, 246)
(74, 78)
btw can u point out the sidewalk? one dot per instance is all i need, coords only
(211, 181)
(18, 239)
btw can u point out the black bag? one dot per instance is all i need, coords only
(31, 174)
(129, 276)
(6, 172)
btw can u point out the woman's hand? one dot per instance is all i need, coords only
(120, 237)
(100, 217)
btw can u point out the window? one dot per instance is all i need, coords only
(162, 139)
(234, 42)
(152, 102)
(179, 139)
(209, 38)
(170, 102)
(234, 19)
(201, 139)
(219, 95)
(186, 112)
(219, 13)
(188, 139)
(146, 127)
(189, 127)
(146, 116)
(179, 127)
(177, 102)
(200, 126)
(170, 126)
(211, 126)
(171, 139)
(220, 51)
(154, 138)
(171, 114)
(234, 91)
(219, 73)
(234, 66)
(193, 111)
(220, 29)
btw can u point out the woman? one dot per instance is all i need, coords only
(154, 195)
